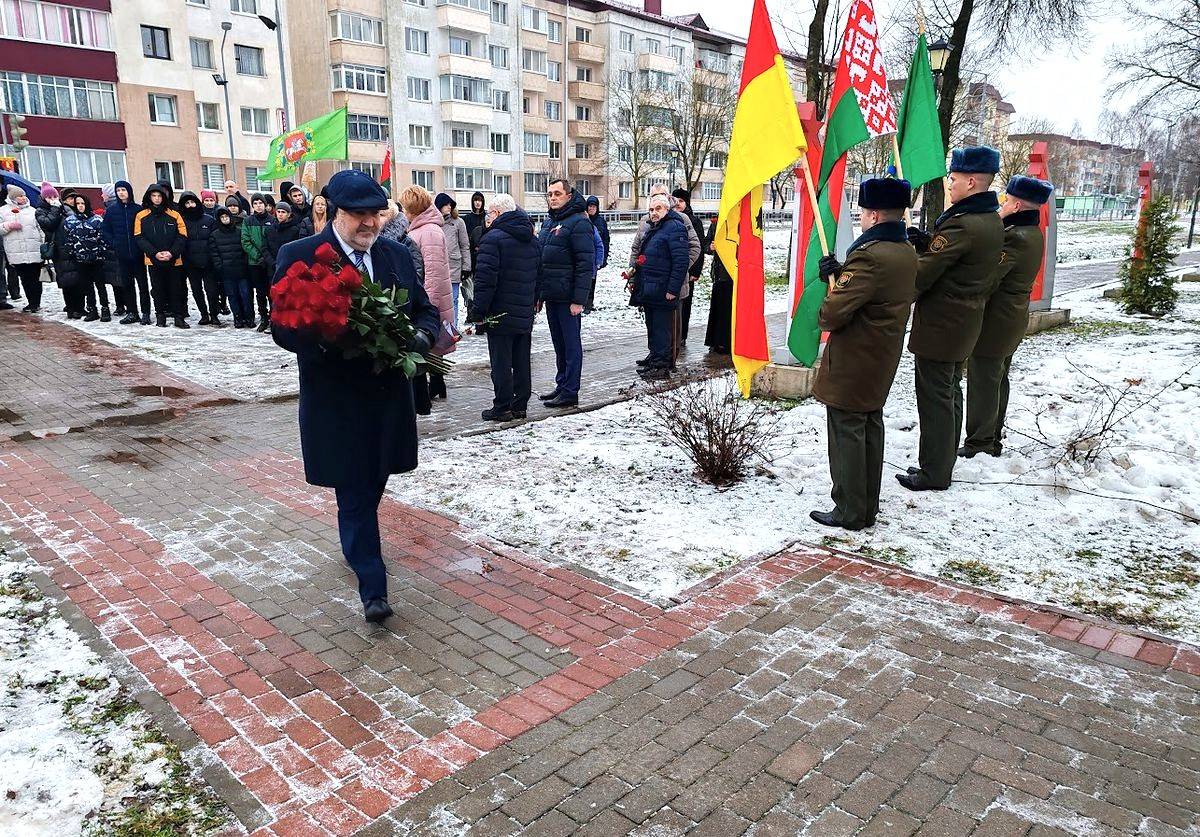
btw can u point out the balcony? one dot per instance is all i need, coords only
(662, 63)
(589, 166)
(580, 129)
(589, 53)
(470, 158)
(537, 124)
(470, 113)
(588, 91)
(467, 19)
(536, 82)
(464, 65)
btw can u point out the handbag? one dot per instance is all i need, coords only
(46, 251)
(447, 337)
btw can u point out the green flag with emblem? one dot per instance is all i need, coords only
(323, 138)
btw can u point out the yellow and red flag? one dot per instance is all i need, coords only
(766, 139)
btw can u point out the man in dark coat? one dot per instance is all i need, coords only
(953, 283)
(117, 228)
(196, 261)
(476, 224)
(506, 272)
(161, 234)
(593, 211)
(358, 427)
(658, 282)
(683, 205)
(565, 285)
(865, 313)
(1006, 317)
(719, 333)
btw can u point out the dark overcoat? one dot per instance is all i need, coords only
(1006, 317)
(356, 427)
(506, 274)
(665, 246)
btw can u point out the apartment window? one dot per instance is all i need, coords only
(583, 151)
(502, 184)
(365, 127)
(477, 5)
(525, 105)
(625, 79)
(255, 121)
(583, 113)
(625, 41)
(584, 186)
(30, 20)
(466, 89)
(424, 179)
(498, 55)
(372, 169)
(554, 70)
(359, 77)
(163, 110)
(533, 19)
(653, 46)
(583, 35)
(710, 191)
(416, 40)
(536, 183)
(202, 53)
(625, 190)
(556, 149)
(156, 41)
(348, 26)
(717, 159)
(203, 3)
(624, 153)
(208, 116)
(77, 166)
(171, 172)
(500, 101)
(421, 3)
(246, 7)
(462, 138)
(499, 12)
(554, 32)
(420, 136)
(418, 89)
(537, 144)
(533, 60)
(467, 178)
(676, 52)
(249, 60)
(624, 117)
(583, 73)
(460, 46)
(654, 80)
(500, 143)
(650, 183)
(651, 115)
(213, 176)
(40, 95)
(554, 111)
(254, 180)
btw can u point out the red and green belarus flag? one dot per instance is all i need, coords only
(385, 174)
(766, 139)
(860, 107)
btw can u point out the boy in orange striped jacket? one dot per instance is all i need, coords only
(161, 234)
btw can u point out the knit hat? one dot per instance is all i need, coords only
(285, 206)
(14, 192)
(442, 201)
(205, 194)
(683, 195)
(48, 192)
(108, 192)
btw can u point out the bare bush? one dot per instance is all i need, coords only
(722, 433)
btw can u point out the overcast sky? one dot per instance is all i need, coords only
(1063, 86)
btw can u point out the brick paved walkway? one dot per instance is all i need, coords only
(807, 693)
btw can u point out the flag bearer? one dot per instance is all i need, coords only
(1007, 314)
(865, 313)
(953, 283)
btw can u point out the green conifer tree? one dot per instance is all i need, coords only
(1147, 287)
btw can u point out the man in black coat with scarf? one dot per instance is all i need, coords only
(357, 427)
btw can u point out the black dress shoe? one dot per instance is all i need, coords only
(918, 482)
(205, 320)
(180, 322)
(644, 362)
(376, 610)
(560, 402)
(968, 453)
(655, 374)
(497, 415)
(549, 396)
(831, 518)
(912, 469)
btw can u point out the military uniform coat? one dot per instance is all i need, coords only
(865, 313)
(356, 427)
(954, 279)
(1006, 316)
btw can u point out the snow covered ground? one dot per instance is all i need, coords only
(79, 755)
(1081, 241)
(606, 489)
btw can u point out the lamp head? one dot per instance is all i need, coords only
(939, 54)
(226, 25)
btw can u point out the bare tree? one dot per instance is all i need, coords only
(1164, 68)
(701, 119)
(1015, 151)
(637, 138)
(782, 186)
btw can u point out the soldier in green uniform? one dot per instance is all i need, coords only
(865, 313)
(953, 282)
(1006, 316)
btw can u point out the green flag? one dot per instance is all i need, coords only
(323, 138)
(918, 132)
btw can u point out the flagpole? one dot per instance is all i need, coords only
(900, 174)
(818, 221)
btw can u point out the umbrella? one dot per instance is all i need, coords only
(31, 189)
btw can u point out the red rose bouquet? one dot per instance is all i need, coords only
(341, 305)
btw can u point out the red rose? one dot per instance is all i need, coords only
(641, 260)
(350, 278)
(330, 285)
(297, 270)
(325, 254)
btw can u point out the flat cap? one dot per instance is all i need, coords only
(356, 191)
(1029, 189)
(975, 159)
(884, 193)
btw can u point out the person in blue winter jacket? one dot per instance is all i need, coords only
(657, 282)
(117, 228)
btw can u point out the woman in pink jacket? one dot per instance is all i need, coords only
(425, 229)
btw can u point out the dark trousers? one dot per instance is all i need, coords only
(987, 402)
(134, 283)
(939, 410)
(566, 335)
(241, 298)
(422, 402)
(204, 291)
(30, 277)
(855, 462)
(685, 310)
(260, 280)
(511, 381)
(92, 284)
(358, 528)
(169, 289)
(12, 281)
(660, 326)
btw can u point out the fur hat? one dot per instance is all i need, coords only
(975, 159)
(1030, 189)
(884, 193)
(48, 192)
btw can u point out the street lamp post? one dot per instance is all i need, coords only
(223, 82)
(275, 25)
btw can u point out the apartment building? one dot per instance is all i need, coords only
(176, 62)
(1086, 167)
(58, 66)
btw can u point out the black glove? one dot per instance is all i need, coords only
(828, 267)
(420, 343)
(919, 239)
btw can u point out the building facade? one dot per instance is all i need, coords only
(1087, 167)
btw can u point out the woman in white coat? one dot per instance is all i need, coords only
(23, 244)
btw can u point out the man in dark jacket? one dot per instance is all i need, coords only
(199, 226)
(254, 242)
(565, 285)
(476, 225)
(117, 227)
(227, 265)
(162, 236)
(865, 313)
(285, 230)
(232, 191)
(506, 289)
(1006, 317)
(658, 281)
(953, 283)
(593, 211)
(358, 427)
(301, 207)
(683, 205)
